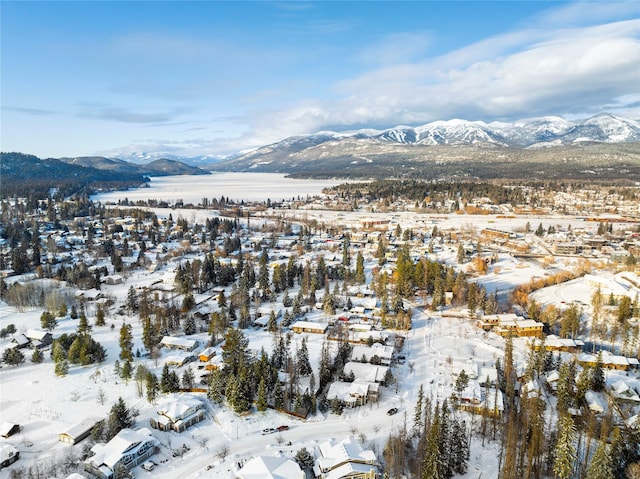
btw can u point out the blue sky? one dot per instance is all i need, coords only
(214, 78)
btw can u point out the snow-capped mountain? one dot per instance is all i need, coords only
(143, 158)
(533, 132)
(454, 142)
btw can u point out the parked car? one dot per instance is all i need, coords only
(147, 466)
(268, 430)
(282, 428)
(392, 411)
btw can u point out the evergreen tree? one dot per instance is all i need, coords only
(126, 342)
(304, 366)
(127, 371)
(565, 453)
(261, 402)
(236, 351)
(190, 326)
(62, 368)
(417, 416)
(132, 301)
(188, 378)
(566, 382)
(48, 321)
(278, 396)
(263, 271)
(149, 334)
(597, 376)
(360, 274)
(216, 389)
(119, 418)
(165, 379)
(12, 356)
(601, 466)
(625, 310)
(37, 357)
(432, 459)
(509, 371)
(83, 324)
(272, 325)
(459, 447)
(100, 320)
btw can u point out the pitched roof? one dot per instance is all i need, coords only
(271, 467)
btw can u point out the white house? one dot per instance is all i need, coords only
(385, 353)
(271, 467)
(126, 450)
(179, 413)
(367, 372)
(344, 459)
(179, 343)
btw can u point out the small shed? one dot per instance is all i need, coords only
(206, 355)
(79, 431)
(8, 429)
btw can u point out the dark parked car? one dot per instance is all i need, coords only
(283, 428)
(392, 411)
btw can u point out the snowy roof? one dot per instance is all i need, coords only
(622, 390)
(171, 341)
(36, 334)
(271, 467)
(350, 469)
(368, 372)
(6, 451)
(334, 453)
(81, 427)
(6, 428)
(594, 400)
(368, 352)
(180, 407)
(126, 440)
(310, 325)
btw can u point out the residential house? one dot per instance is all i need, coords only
(179, 414)
(126, 450)
(384, 353)
(344, 460)
(609, 361)
(309, 327)
(554, 343)
(355, 393)
(271, 467)
(8, 455)
(595, 402)
(172, 342)
(367, 372)
(20, 341)
(39, 338)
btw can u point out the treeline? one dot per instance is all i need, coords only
(22, 173)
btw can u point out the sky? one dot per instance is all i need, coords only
(115, 78)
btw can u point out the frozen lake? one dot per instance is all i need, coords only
(235, 186)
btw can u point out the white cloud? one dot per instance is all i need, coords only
(520, 74)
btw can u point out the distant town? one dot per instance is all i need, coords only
(384, 329)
